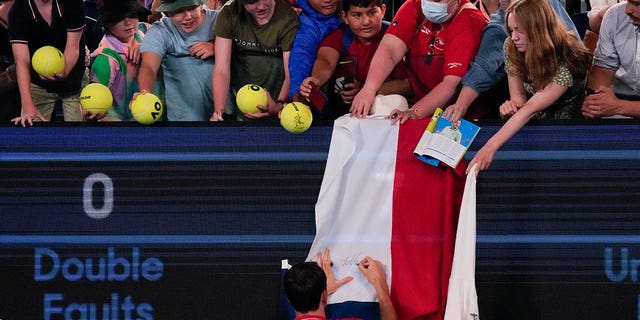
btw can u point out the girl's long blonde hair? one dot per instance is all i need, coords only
(550, 43)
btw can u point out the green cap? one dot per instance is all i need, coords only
(173, 5)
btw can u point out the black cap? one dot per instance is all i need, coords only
(112, 11)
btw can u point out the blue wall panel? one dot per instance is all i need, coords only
(190, 221)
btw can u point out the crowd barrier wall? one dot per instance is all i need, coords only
(190, 221)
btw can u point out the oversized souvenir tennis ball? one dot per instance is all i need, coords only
(47, 61)
(296, 117)
(96, 98)
(249, 97)
(146, 108)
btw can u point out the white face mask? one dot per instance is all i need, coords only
(437, 12)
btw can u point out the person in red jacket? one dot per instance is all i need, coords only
(438, 39)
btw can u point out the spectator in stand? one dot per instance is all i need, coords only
(317, 19)
(9, 93)
(614, 75)
(181, 43)
(59, 23)
(258, 34)
(486, 78)
(546, 66)
(308, 284)
(117, 59)
(345, 55)
(598, 9)
(214, 4)
(440, 38)
(153, 5)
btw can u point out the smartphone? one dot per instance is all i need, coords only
(316, 97)
(589, 90)
(348, 80)
(341, 82)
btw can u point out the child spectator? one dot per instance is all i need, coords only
(345, 55)
(182, 44)
(258, 34)
(546, 66)
(58, 23)
(486, 78)
(117, 58)
(153, 6)
(317, 19)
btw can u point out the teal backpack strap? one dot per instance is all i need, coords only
(112, 53)
(347, 39)
(101, 67)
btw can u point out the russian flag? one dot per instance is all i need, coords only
(377, 199)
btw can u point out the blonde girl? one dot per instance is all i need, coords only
(546, 67)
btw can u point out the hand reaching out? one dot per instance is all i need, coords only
(374, 272)
(454, 112)
(305, 86)
(132, 51)
(602, 103)
(362, 102)
(271, 109)
(349, 92)
(202, 50)
(28, 116)
(324, 261)
(509, 108)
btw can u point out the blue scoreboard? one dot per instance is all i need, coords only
(190, 221)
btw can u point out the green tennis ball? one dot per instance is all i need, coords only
(249, 97)
(146, 108)
(296, 117)
(48, 61)
(96, 98)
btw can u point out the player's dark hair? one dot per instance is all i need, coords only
(304, 284)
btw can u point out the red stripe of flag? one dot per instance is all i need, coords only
(426, 204)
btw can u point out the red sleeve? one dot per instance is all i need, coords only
(405, 22)
(463, 39)
(333, 40)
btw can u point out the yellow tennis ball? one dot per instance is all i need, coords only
(296, 117)
(146, 108)
(249, 97)
(96, 98)
(48, 61)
